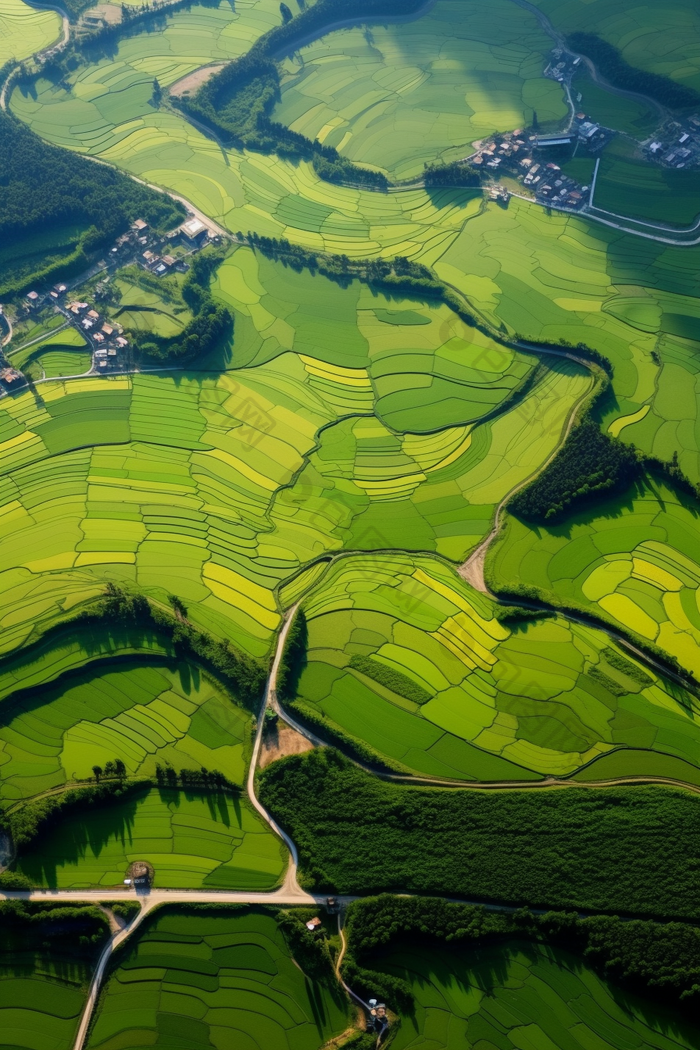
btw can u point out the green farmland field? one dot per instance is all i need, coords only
(633, 559)
(635, 117)
(360, 424)
(661, 40)
(193, 840)
(24, 30)
(555, 276)
(521, 996)
(44, 974)
(395, 97)
(629, 185)
(145, 713)
(345, 451)
(223, 977)
(63, 354)
(495, 703)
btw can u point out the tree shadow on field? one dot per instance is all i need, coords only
(318, 1009)
(452, 196)
(69, 837)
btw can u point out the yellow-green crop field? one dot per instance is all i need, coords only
(25, 30)
(492, 702)
(634, 558)
(222, 486)
(396, 97)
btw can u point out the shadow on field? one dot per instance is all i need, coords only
(70, 838)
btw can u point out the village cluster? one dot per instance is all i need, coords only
(89, 313)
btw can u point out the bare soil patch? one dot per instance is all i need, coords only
(193, 81)
(282, 740)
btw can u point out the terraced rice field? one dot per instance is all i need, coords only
(142, 310)
(193, 840)
(64, 354)
(213, 485)
(524, 996)
(404, 657)
(633, 560)
(142, 712)
(108, 113)
(629, 185)
(42, 994)
(219, 979)
(23, 30)
(660, 40)
(397, 96)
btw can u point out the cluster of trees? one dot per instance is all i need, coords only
(643, 955)
(115, 768)
(207, 779)
(244, 674)
(620, 74)
(672, 472)
(27, 926)
(43, 188)
(390, 678)
(634, 851)
(237, 103)
(126, 910)
(310, 950)
(626, 667)
(458, 173)
(591, 464)
(293, 659)
(207, 330)
(26, 823)
(211, 325)
(398, 275)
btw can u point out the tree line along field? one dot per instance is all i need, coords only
(395, 97)
(24, 30)
(137, 710)
(408, 660)
(222, 485)
(193, 840)
(632, 560)
(520, 995)
(221, 977)
(47, 957)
